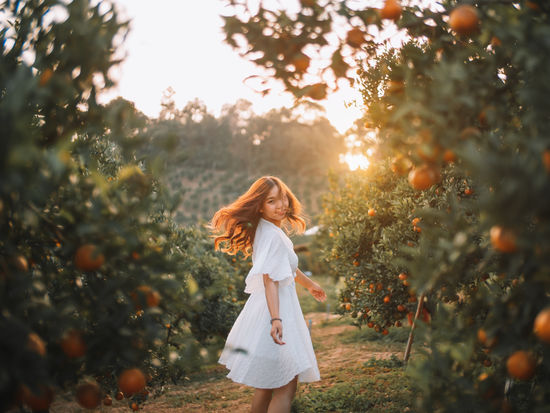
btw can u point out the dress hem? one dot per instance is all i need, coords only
(274, 386)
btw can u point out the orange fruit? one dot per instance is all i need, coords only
(391, 10)
(73, 344)
(88, 395)
(356, 263)
(403, 276)
(385, 332)
(318, 91)
(417, 229)
(495, 42)
(152, 297)
(449, 156)
(542, 325)
(36, 344)
(355, 37)
(521, 365)
(372, 212)
(415, 222)
(87, 258)
(301, 62)
(387, 299)
(131, 381)
(45, 77)
(348, 306)
(370, 324)
(424, 177)
(426, 316)
(134, 406)
(464, 20)
(20, 263)
(503, 239)
(546, 159)
(394, 87)
(37, 401)
(468, 191)
(400, 308)
(108, 401)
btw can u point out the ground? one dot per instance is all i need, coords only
(360, 371)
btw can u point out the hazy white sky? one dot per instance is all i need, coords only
(179, 44)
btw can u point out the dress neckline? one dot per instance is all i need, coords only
(269, 222)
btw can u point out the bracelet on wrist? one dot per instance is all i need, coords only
(275, 318)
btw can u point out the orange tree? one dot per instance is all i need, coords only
(91, 266)
(467, 84)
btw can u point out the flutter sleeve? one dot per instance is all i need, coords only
(271, 256)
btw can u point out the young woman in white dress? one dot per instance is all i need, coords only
(255, 351)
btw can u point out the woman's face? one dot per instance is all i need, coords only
(275, 206)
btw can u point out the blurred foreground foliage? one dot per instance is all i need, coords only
(466, 84)
(96, 279)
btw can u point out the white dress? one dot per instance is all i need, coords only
(250, 353)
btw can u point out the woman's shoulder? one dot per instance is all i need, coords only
(268, 232)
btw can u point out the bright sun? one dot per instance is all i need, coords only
(355, 160)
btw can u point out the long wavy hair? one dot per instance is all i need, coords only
(236, 223)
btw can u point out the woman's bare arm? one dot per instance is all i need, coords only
(314, 289)
(272, 297)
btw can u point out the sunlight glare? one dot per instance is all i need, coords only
(355, 161)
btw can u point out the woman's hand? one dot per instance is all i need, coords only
(277, 332)
(317, 292)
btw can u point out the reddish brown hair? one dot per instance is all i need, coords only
(236, 223)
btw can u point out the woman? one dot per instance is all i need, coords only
(255, 352)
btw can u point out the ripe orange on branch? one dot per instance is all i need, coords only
(502, 239)
(355, 37)
(301, 62)
(152, 297)
(38, 401)
(394, 87)
(546, 159)
(318, 91)
(88, 395)
(87, 258)
(542, 325)
(424, 177)
(521, 365)
(131, 381)
(392, 10)
(371, 212)
(36, 344)
(73, 344)
(464, 19)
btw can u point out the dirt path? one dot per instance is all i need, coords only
(211, 391)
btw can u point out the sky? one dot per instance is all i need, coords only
(179, 44)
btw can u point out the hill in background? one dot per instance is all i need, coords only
(212, 160)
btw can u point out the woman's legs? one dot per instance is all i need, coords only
(282, 397)
(260, 400)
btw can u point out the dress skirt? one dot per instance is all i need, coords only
(252, 356)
